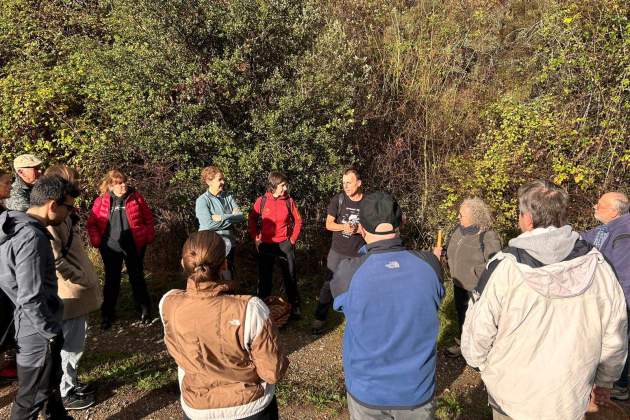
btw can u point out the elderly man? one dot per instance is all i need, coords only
(549, 328)
(27, 169)
(390, 297)
(612, 238)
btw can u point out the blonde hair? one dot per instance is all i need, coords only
(203, 256)
(209, 173)
(480, 213)
(109, 178)
(69, 174)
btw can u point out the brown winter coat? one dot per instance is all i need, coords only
(225, 350)
(77, 280)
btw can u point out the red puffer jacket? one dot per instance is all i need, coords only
(138, 214)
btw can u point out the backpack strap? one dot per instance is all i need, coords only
(482, 245)
(340, 200)
(263, 201)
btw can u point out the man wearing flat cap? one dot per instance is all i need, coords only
(390, 297)
(27, 169)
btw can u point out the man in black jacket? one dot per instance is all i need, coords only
(27, 276)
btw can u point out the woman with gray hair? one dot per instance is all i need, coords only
(469, 248)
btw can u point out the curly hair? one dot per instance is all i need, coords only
(480, 212)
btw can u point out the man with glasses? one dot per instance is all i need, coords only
(612, 238)
(27, 276)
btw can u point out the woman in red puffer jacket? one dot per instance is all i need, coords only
(120, 225)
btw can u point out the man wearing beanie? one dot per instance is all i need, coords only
(390, 297)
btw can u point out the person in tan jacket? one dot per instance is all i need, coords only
(226, 349)
(80, 291)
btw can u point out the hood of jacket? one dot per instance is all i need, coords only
(12, 221)
(548, 245)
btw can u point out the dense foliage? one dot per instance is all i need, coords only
(433, 100)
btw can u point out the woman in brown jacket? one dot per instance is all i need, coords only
(225, 346)
(80, 291)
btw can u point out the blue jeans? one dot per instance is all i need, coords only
(623, 381)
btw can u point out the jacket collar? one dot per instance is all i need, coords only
(209, 288)
(19, 183)
(621, 223)
(386, 245)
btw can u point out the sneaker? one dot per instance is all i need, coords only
(84, 389)
(619, 393)
(318, 327)
(454, 351)
(74, 401)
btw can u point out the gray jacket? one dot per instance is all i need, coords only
(20, 197)
(27, 275)
(467, 257)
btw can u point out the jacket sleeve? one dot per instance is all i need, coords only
(147, 219)
(30, 276)
(615, 339)
(482, 320)
(589, 235)
(235, 217)
(92, 223)
(60, 236)
(252, 220)
(262, 342)
(297, 222)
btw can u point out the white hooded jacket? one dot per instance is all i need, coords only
(541, 337)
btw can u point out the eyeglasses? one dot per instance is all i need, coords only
(67, 206)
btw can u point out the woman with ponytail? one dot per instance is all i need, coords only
(225, 346)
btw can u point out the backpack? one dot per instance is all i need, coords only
(263, 200)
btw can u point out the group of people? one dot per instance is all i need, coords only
(544, 320)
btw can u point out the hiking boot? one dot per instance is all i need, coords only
(106, 324)
(619, 393)
(296, 313)
(74, 401)
(318, 327)
(454, 351)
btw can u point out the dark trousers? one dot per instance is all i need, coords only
(461, 297)
(325, 295)
(623, 380)
(112, 260)
(269, 413)
(267, 254)
(38, 387)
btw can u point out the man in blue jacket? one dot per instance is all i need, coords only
(612, 238)
(390, 297)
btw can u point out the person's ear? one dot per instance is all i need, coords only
(359, 183)
(181, 262)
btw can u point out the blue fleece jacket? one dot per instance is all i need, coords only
(223, 205)
(616, 249)
(390, 297)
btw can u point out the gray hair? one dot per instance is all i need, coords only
(480, 212)
(621, 203)
(545, 201)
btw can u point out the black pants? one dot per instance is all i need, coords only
(267, 254)
(325, 295)
(38, 387)
(461, 297)
(269, 413)
(112, 260)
